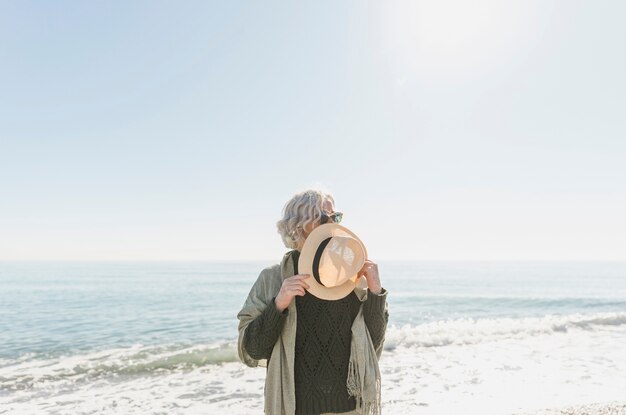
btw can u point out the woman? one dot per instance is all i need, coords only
(321, 355)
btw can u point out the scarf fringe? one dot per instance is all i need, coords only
(371, 407)
(354, 383)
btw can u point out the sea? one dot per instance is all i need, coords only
(474, 337)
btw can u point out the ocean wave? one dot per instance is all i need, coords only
(137, 360)
(467, 331)
(140, 360)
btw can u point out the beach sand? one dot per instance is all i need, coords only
(610, 408)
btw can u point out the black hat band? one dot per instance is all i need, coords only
(317, 258)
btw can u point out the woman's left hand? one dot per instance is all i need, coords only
(370, 272)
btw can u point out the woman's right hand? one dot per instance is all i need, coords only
(291, 287)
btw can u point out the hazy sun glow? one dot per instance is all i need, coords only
(439, 39)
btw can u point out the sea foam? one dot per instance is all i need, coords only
(472, 331)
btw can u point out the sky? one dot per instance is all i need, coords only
(445, 130)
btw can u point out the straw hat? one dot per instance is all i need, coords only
(333, 256)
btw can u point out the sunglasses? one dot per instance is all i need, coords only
(334, 217)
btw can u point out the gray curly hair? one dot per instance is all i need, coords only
(302, 209)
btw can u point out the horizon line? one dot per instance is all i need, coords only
(274, 260)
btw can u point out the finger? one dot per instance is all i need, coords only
(299, 283)
(298, 277)
(292, 280)
(297, 291)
